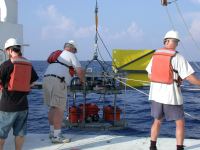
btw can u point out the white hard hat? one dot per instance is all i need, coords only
(172, 35)
(11, 42)
(71, 43)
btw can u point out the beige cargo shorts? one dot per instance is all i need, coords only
(55, 92)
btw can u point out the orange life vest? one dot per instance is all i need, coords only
(20, 78)
(53, 58)
(162, 70)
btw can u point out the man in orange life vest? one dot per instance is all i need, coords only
(56, 79)
(166, 70)
(16, 75)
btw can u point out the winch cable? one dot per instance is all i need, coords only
(187, 29)
(104, 45)
(95, 56)
(102, 62)
(170, 18)
(186, 26)
(96, 34)
(96, 25)
(140, 91)
(105, 63)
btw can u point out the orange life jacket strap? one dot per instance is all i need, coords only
(53, 58)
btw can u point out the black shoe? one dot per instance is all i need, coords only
(180, 147)
(153, 148)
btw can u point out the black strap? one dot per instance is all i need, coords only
(62, 79)
(179, 79)
(176, 71)
(57, 61)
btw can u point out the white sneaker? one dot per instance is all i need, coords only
(60, 139)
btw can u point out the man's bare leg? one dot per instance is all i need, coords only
(2, 141)
(19, 141)
(180, 131)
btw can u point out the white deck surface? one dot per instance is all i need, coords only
(95, 141)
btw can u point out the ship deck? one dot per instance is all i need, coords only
(101, 140)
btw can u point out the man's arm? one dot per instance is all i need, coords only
(81, 74)
(193, 79)
(34, 76)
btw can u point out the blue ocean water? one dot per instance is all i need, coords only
(135, 104)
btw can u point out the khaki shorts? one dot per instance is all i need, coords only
(55, 92)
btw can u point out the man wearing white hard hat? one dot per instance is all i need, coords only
(16, 76)
(56, 79)
(166, 71)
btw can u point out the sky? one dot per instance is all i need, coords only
(123, 24)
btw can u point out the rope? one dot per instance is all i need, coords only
(104, 44)
(124, 83)
(170, 18)
(133, 80)
(173, 26)
(97, 35)
(106, 50)
(186, 26)
(193, 117)
(104, 62)
(132, 87)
